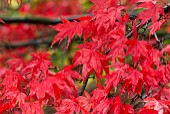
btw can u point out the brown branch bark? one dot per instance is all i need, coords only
(38, 20)
(83, 86)
(33, 42)
(45, 21)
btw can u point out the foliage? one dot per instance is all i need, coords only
(131, 67)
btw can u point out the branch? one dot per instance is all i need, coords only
(32, 42)
(35, 42)
(160, 43)
(83, 87)
(47, 21)
(38, 20)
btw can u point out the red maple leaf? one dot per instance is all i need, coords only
(165, 94)
(70, 73)
(31, 108)
(107, 18)
(12, 92)
(40, 89)
(103, 107)
(127, 109)
(158, 105)
(116, 106)
(152, 11)
(101, 4)
(11, 98)
(98, 95)
(149, 77)
(69, 29)
(12, 80)
(85, 101)
(163, 72)
(38, 66)
(114, 78)
(54, 86)
(148, 111)
(70, 106)
(91, 59)
(117, 44)
(16, 64)
(156, 26)
(138, 49)
(134, 78)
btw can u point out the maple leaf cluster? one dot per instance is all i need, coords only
(132, 75)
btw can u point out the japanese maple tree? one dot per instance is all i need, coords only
(119, 48)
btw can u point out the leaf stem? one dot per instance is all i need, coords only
(83, 86)
(158, 41)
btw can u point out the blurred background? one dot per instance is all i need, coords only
(18, 38)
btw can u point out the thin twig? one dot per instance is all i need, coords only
(130, 33)
(156, 37)
(160, 43)
(83, 86)
(133, 16)
(134, 99)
